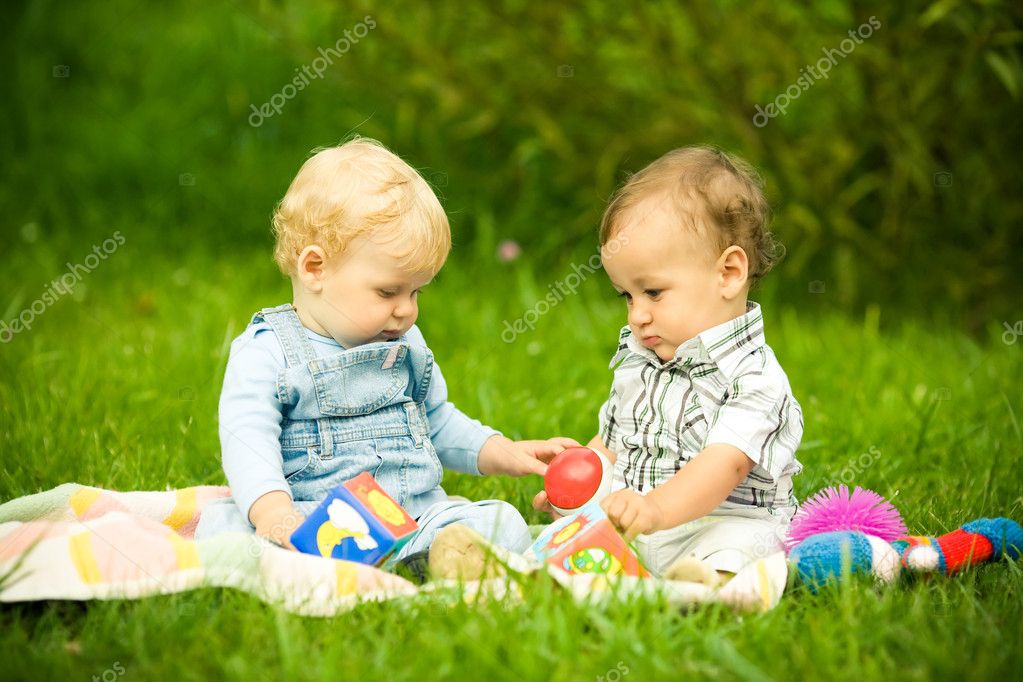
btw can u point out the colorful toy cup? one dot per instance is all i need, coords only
(586, 542)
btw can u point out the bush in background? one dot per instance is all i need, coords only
(896, 178)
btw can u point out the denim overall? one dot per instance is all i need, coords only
(360, 410)
(364, 410)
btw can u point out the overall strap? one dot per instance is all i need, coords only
(421, 359)
(284, 321)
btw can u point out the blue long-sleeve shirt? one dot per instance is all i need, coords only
(251, 415)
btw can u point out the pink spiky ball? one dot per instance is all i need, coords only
(837, 509)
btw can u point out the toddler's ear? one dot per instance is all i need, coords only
(733, 271)
(309, 268)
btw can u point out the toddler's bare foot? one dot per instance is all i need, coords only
(758, 586)
(460, 553)
(692, 570)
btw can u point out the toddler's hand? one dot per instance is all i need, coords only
(279, 531)
(542, 504)
(501, 455)
(275, 517)
(632, 513)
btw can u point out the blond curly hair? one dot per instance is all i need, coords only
(361, 188)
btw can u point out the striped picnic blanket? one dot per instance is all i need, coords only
(79, 542)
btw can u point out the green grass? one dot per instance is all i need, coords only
(116, 385)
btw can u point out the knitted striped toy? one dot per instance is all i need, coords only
(838, 530)
(825, 556)
(861, 532)
(974, 543)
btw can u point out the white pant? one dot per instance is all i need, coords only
(496, 520)
(725, 540)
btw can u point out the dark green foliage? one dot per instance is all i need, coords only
(895, 179)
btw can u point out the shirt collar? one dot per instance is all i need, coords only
(725, 344)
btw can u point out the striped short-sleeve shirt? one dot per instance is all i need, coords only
(722, 386)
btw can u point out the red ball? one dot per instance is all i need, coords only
(576, 476)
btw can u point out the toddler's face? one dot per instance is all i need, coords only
(668, 277)
(364, 296)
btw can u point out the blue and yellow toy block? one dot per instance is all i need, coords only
(357, 521)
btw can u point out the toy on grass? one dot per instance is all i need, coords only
(576, 476)
(827, 556)
(973, 543)
(863, 533)
(837, 509)
(586, 542)
(357, 521)
(837, 531)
